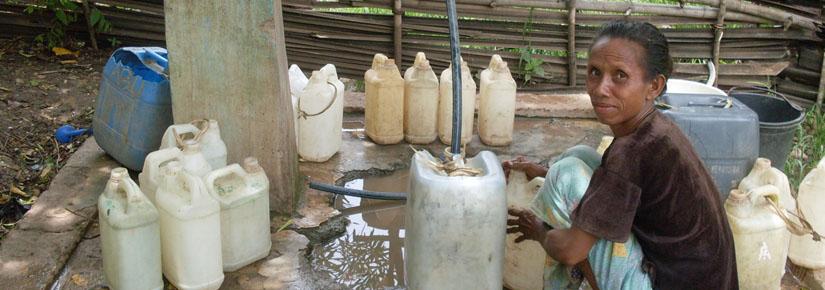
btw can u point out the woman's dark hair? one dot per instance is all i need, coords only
(657, 55)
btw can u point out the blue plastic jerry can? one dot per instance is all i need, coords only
(134, 105)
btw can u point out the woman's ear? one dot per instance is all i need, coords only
(657, 85)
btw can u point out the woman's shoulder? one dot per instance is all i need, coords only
(658, 139)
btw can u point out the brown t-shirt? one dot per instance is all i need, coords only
(652, 183)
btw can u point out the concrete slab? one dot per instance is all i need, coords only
(32, 254)
(568, 105)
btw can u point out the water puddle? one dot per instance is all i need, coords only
(370, 254)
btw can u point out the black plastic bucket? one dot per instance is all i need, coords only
(778, 120)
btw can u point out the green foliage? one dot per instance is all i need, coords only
(65, 12)
(527, 65)
(114, 42)
(808, 148)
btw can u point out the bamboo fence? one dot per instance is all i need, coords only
(771, 43)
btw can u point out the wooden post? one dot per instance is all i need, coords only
(717, 40)
(820, 95)
(228, 62)
(571, 43)
(398, 13)
(88, 13)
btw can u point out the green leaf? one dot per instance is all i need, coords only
(29, 9)
(527, 77)
(70, 5)
(61, 16)
(539, 71)
(96, 16)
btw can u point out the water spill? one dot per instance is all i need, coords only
(370, 254)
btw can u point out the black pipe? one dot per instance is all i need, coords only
(455, 53)
(358, 193)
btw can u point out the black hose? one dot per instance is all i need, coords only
(358, 193)
(455, 53)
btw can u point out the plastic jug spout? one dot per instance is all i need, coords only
(191, 147)
(497, 64)
(738, 204)
(762, 164)
(250, 164)
(378, 60)
(421, 61)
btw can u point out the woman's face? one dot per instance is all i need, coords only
(618, 86)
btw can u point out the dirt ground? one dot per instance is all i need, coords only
(38, 94)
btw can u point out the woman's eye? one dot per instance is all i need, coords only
(595, 72)
(621, 75)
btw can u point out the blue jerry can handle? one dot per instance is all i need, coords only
(155, 61)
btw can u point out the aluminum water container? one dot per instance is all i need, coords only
(243, 194)
(129, 235)
(723, 131)
(190, 230)
(455, 226)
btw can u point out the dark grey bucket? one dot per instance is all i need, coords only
(778, 120)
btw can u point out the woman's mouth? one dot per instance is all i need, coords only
(602, 108)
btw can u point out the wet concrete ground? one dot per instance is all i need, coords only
(297, 258)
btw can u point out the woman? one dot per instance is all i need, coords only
(649, 189)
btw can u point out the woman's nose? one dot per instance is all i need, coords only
(602, 87)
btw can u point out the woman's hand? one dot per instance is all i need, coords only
(526, 223)
(532, 170)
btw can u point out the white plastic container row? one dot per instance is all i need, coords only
(201, 226)
(417, 107)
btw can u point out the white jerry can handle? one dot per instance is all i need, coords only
(222, 172)
(796, 224)
(194, 184)
(155, 159)
(127, 185)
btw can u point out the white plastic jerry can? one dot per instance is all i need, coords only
(420, 102)
(455, 226)
(151, 176)
(497, 104)
(763, 174)
(320, 116)
(297, 81)
(190, 230)
(384, 108)
(804, 250)
(523, 262)
(445, 105)
(243, 194)
(206, 133)
(129, 235)
(759, 236)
